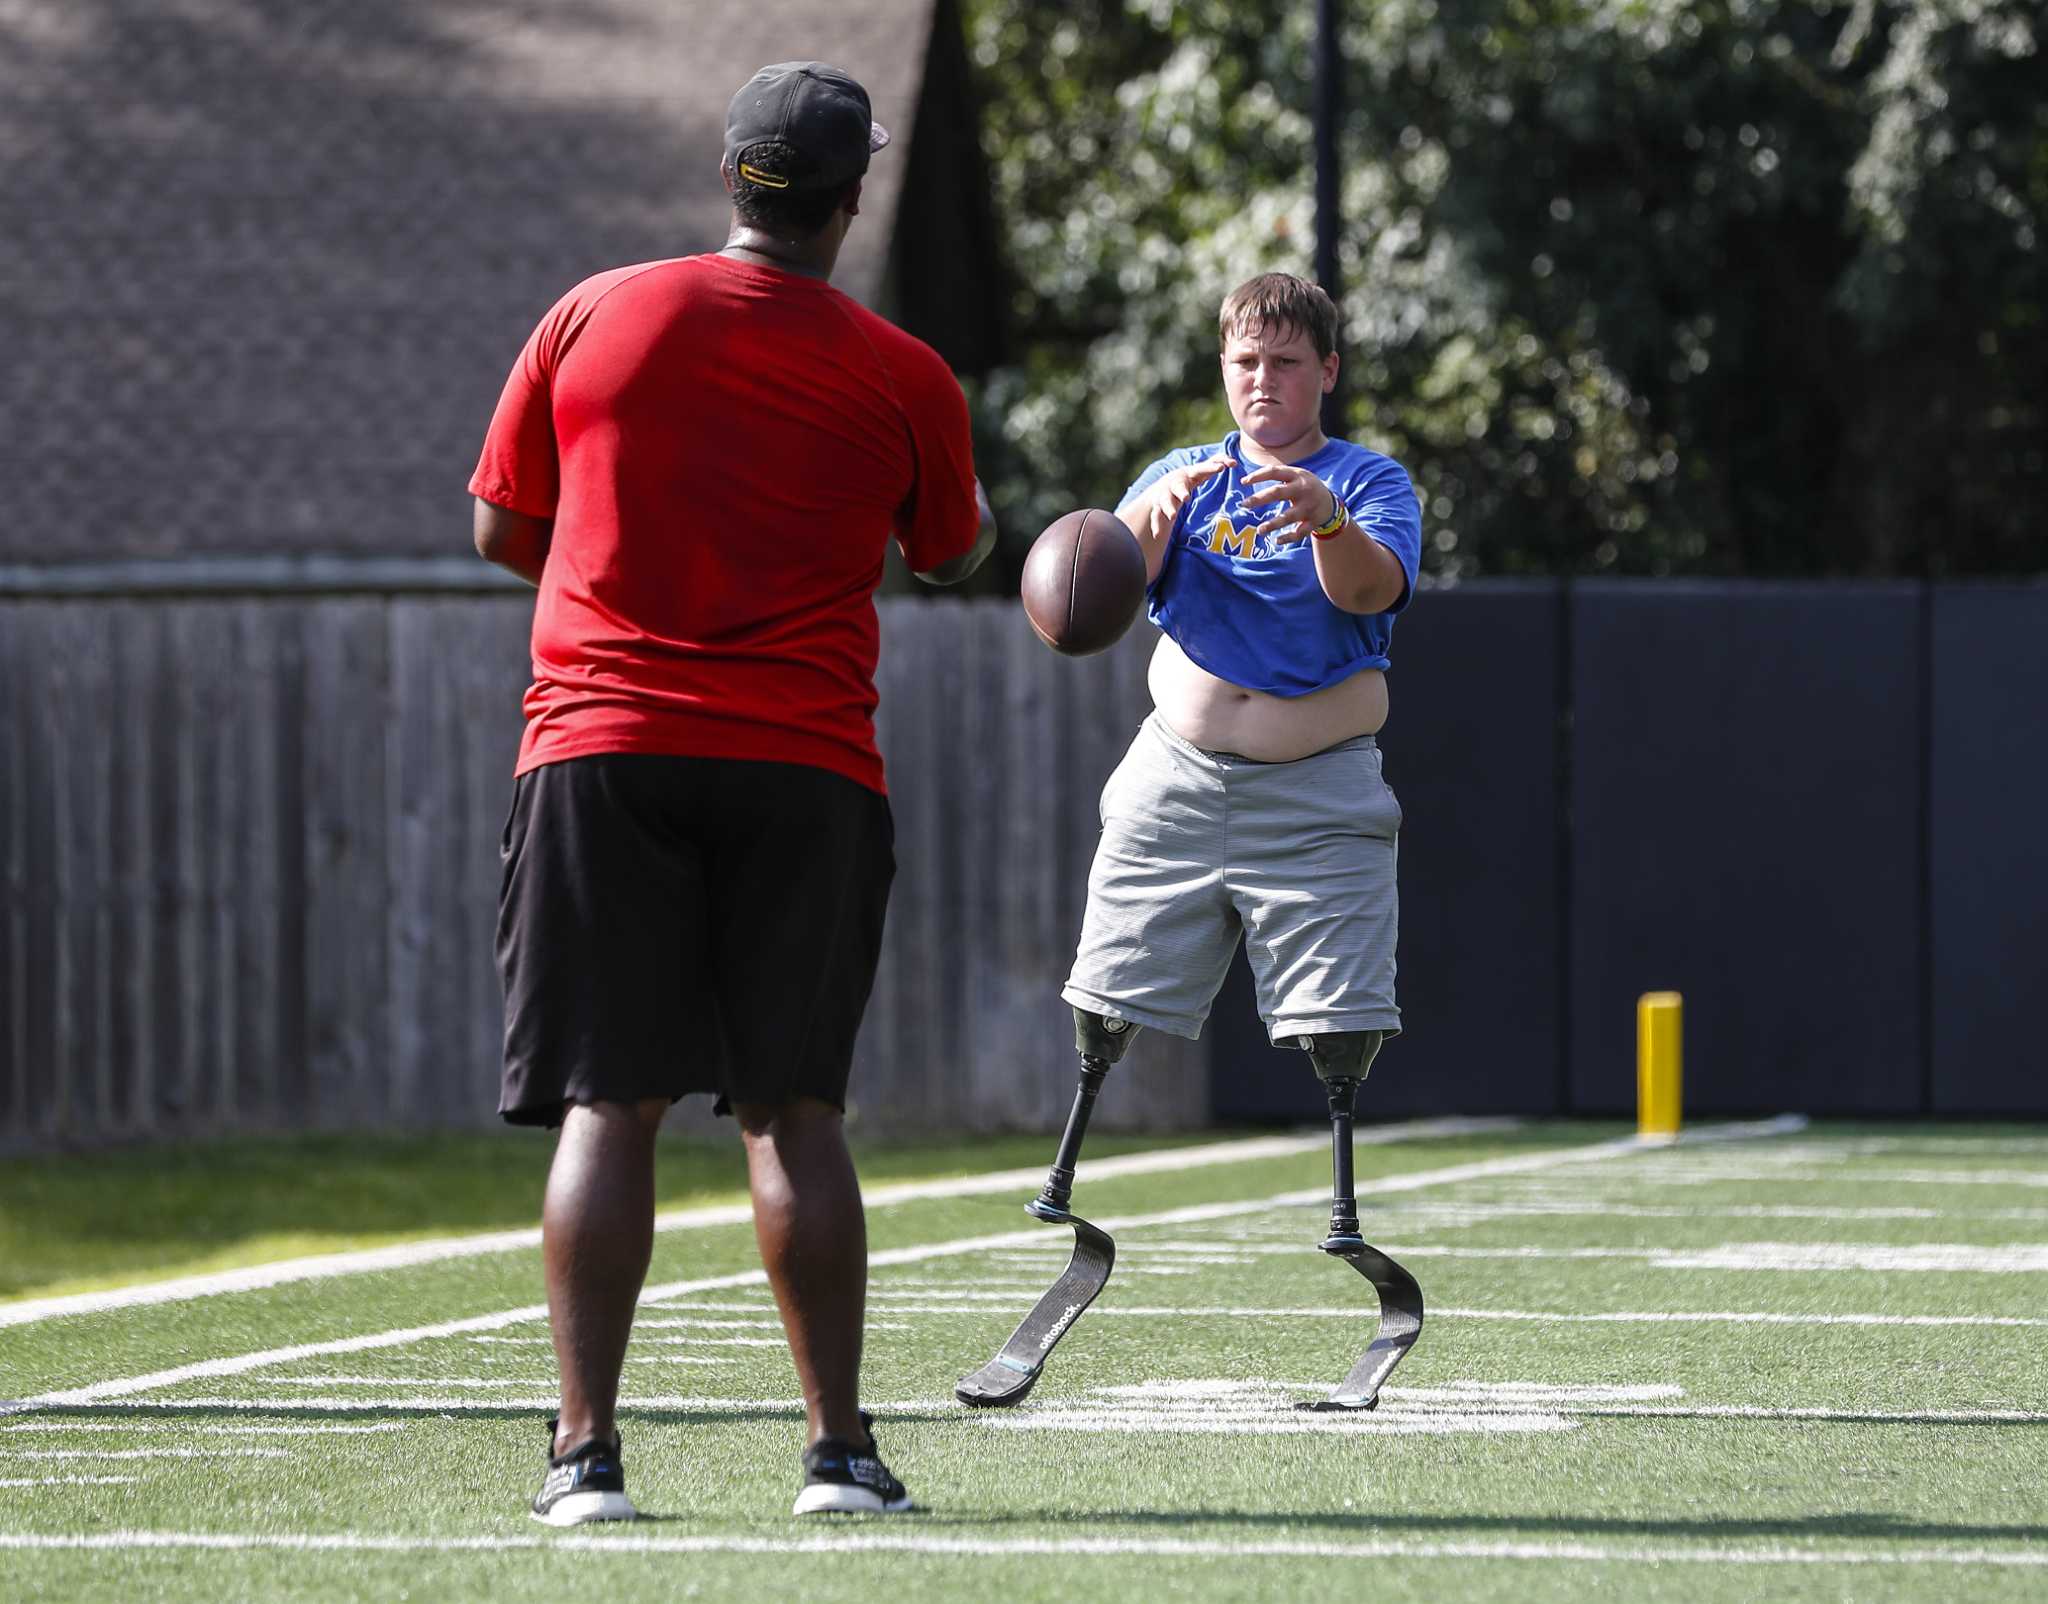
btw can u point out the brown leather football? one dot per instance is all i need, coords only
(1084, 581)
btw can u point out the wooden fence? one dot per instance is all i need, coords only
(249, 849)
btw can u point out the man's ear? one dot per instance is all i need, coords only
(725, 174)
(1330, 364)
(851, 205)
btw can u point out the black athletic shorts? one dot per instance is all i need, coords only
(669, 925)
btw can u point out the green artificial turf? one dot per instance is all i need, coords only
(1803, 1366)
(77, 1222)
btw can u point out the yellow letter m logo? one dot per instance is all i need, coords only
(1225, 538)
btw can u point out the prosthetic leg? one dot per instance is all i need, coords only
(1342, 1059)
(1013, 1372)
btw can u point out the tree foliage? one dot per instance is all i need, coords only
(1631, 286)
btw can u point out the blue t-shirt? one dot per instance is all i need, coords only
(1252, 611)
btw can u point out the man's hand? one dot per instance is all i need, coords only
(1300, 501)
(1151, 515)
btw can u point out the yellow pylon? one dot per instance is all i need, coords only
(1659, 1028)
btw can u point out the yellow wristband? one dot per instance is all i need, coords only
(1338, 520)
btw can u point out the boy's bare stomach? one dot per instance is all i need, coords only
(1221, 717)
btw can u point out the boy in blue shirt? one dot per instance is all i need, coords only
(1251, 804)
(1252, 797)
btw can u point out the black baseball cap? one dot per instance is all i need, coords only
(819, 112)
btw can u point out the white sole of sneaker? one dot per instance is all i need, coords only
(580, 1509)
(832, 1498)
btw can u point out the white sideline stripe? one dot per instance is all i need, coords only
(448, 1404)
(964, 1303)
(467, 1382)
(666, 1358)
(1467, 1213)
(407, 1255)
(1945, 1258)
(241, 1364)
(1471, 1213)
(1712, 1173)
(724, 1342)
(1919, 1142)
(906, 1287)
(1524, 1392)
(125, 1426)
(1734, 1316)
(153, 1453)
(1209, 1423)
(1921, 1417)
(1409, 1408)
(677, 1359)
(620, 1544)
(643, 1342)
(68, 1481)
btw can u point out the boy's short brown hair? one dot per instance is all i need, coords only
(1279, 299)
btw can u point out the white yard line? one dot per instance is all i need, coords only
(1439, 1214)
(970, 1303)
(187, 1429)
(1526, 1163)
(151, 1453)
(1138, 1422)
(467, 1382)
(407, 1255)
(1411, 1405)
(1910, 1417)
(624, 1544)
(1680, 1173)
(2003, 1258)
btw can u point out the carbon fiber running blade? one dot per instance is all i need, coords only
(1399, 1325)
(1011, 1374)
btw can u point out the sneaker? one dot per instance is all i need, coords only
(842, 1479)
(585, 1484)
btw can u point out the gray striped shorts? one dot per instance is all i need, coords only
(1200, 847)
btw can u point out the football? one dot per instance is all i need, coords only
(1084, 581)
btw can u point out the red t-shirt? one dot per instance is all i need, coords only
(724, 450)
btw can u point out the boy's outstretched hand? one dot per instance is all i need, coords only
(1300, 500)
(1151, 515)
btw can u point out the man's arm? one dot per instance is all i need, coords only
(955, 569)
(517, 541)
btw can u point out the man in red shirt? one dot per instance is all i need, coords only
(699, 462)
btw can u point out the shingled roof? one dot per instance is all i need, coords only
(263, 268)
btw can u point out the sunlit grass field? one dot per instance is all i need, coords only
(1785, 1363)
